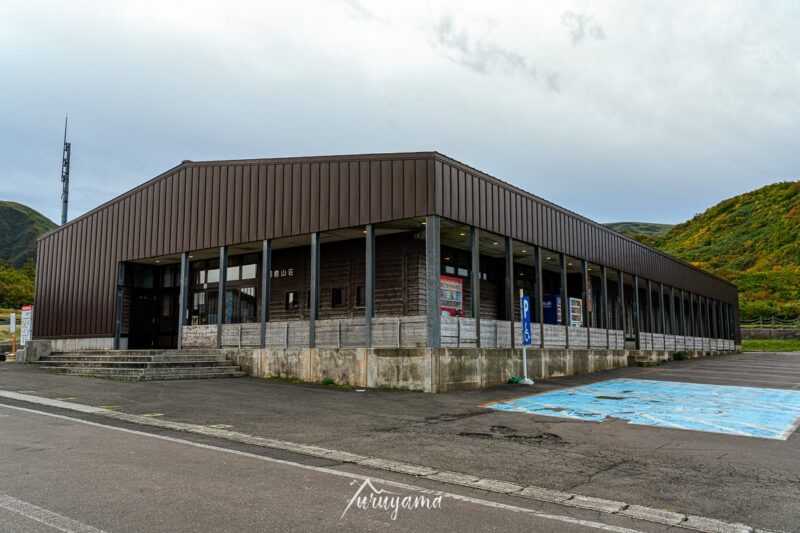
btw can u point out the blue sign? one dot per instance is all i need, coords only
(525, 307)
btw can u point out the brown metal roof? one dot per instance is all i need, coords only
(198, 205)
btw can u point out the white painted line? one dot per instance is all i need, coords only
(329, 471)
(52, 403)
(43, 516)
(715, 377)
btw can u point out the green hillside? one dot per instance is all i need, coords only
(752, 240)
(19, 227)
(648, 229)
(645, 232)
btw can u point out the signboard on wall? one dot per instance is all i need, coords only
(25, 324)
(551, 304)
(452, 295)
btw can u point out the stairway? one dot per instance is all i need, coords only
(142, 365)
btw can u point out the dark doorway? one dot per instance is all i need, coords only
(154, 307)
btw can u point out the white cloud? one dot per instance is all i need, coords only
(660, 110)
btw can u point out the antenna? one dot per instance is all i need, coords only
(65, 175)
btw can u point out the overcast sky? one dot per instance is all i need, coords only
(632, 110)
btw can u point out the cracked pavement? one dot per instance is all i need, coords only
(732, 478)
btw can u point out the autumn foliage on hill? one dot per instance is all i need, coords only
(752, 240)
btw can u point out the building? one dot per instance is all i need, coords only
(386, 255)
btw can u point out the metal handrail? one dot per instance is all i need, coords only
(771, 321)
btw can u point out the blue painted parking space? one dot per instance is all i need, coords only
(745, 411)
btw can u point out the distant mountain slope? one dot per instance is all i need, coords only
(641, 228)
(752, 240)
(646, 232)
(19, 227)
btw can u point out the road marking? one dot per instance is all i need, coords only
(769, 413)
(41, 515)
(323, 470)
(52, 403)
(734, 380)
(530, 492)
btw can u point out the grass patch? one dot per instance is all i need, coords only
(771, 345)
(680, 356)
(5, 315)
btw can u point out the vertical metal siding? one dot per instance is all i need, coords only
(205, 205)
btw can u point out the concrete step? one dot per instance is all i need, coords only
(169, 377)
(106, 371)
(152, 374)
(186, 351)
(143, 365)
(133, 358)
(101, 363)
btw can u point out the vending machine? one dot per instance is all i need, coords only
(452, 296)
(552, 308)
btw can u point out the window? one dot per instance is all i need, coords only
(361, 296)
(291, 300)
(249, 271)
(338, 297)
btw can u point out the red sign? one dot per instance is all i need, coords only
(452, 295)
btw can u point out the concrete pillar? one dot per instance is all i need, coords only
(584, 292)
(118, 304)
(683, 314)
(183, 295)
(369, 284)
(475, 279)
(266, 269)
(692, 320)
(621, 282)
(727, 321)
(539, 293)
(222, 292)
(604, 302)
(313, 311)
(564, 301)
(700, 316)
(672, 311)
(662, 310)
(637, 324)
(585, 301)
(433, 259)
(651, 323)
(510, 296)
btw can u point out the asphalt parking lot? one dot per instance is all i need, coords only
(731, 477)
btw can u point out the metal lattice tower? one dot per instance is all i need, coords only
(65, 176)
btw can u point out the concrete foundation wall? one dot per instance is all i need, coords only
(36, 348)
(435, 370)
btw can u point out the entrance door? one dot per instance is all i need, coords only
(154, 307)
(167, 319)
(143, 319)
